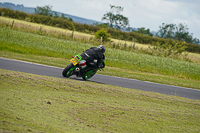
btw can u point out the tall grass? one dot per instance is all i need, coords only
(27, 43)
(44, 30)
(87, 38)
(153, 64)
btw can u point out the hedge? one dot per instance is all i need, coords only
(116, 34)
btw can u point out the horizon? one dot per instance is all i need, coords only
(195, 32)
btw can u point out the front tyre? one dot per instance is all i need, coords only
(89, 74)
(67, 72)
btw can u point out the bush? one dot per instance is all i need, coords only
(102, 33)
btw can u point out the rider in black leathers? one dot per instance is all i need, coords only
(94, 54)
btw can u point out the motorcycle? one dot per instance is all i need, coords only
(78, 66)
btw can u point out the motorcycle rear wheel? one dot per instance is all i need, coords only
(66, 72)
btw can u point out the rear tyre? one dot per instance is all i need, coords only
(67, 72)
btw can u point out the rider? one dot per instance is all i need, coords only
(94, 54)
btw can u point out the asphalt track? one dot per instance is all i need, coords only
(39, 69)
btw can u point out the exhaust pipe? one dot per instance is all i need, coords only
(77, 69)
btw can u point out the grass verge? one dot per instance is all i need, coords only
(33, 103)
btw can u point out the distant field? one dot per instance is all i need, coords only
(36, 26)
(67, 34)
(33, 103)
(194, 57)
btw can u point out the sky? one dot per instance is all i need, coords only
(141, 13)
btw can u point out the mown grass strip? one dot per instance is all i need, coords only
(32, 103)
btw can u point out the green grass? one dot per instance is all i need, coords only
(28, 26)
(119, 63)
(33, 103)
(66, 34)
(35, 26)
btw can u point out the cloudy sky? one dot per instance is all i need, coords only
(141, 13)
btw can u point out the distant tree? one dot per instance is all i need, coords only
(115, 19)
(143, 31)
(180, 32)
(103, 25)
(55, 15)
(68, 18)
(166, 31)
(63, 16)
(196, 41)
(46, 10)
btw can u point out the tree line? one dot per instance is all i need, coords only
(47, 11)
(114, 33)
(177, 32)
(169, 31)
(116, 20)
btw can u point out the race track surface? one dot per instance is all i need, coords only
(39, 69)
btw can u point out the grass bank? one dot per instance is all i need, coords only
(33, 103)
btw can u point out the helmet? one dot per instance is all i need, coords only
(103, 49)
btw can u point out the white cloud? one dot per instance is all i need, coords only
(152, 13)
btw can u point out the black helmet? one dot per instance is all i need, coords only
(103, 49)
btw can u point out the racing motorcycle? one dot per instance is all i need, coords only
(77, 67)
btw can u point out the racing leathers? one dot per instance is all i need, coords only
(94, 58)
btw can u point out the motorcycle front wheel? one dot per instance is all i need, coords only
(89, 74)
(68, 71)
